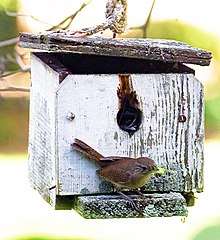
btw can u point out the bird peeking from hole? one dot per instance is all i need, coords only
(129, 116)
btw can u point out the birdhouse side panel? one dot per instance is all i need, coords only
(41, 147)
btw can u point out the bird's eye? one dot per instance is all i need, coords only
(144, 168)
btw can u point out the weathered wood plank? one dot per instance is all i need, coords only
(114, 206)
(176, 146)
(41, 149)
(150, 49)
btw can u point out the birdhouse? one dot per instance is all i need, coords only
(77, 86)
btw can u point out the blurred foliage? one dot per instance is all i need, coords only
(9, 4)
(14, 125)
(212, 117)
(187, 33)
(49, 238)
(8, 29)
(211, 232)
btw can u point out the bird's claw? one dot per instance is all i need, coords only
(130, 201)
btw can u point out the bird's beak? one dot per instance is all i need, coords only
(155, 168)
(158, 169)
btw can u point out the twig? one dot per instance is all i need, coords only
(27, 69)
(64, 24)
(146, 24)
(19, 61)
(14, 89)
(15, 14)
(9, 42)
(53, 27)
(70, 18)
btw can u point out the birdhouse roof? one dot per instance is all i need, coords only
(142, 48)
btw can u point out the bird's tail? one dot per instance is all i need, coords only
(87, 151)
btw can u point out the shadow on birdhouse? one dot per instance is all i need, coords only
(123, 97)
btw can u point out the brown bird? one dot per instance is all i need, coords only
(123, 172)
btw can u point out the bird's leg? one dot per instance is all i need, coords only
(138, 192)
(141, 194)
(130, 201)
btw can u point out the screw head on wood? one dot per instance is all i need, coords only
(70, 116)
(182, 118)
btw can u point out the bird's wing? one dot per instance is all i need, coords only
(114, 158)
(110, 158)
(115, 176)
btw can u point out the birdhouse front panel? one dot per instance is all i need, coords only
(163, 135)
(67, 104)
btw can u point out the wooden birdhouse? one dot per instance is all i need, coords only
(76, 92)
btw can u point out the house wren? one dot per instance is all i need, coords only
(123, 172)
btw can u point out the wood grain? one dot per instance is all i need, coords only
(178, 147)
(151, 49)
(149, 205)
(56, 93)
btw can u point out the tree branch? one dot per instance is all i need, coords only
(147, 22)
(27, 69)
(9, 42)
(15, 14)
(19, 58)
(70, 18)
(14, 89)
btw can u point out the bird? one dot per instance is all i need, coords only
(123, 172)
(129, 116)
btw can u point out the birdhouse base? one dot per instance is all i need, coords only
(115, 206)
